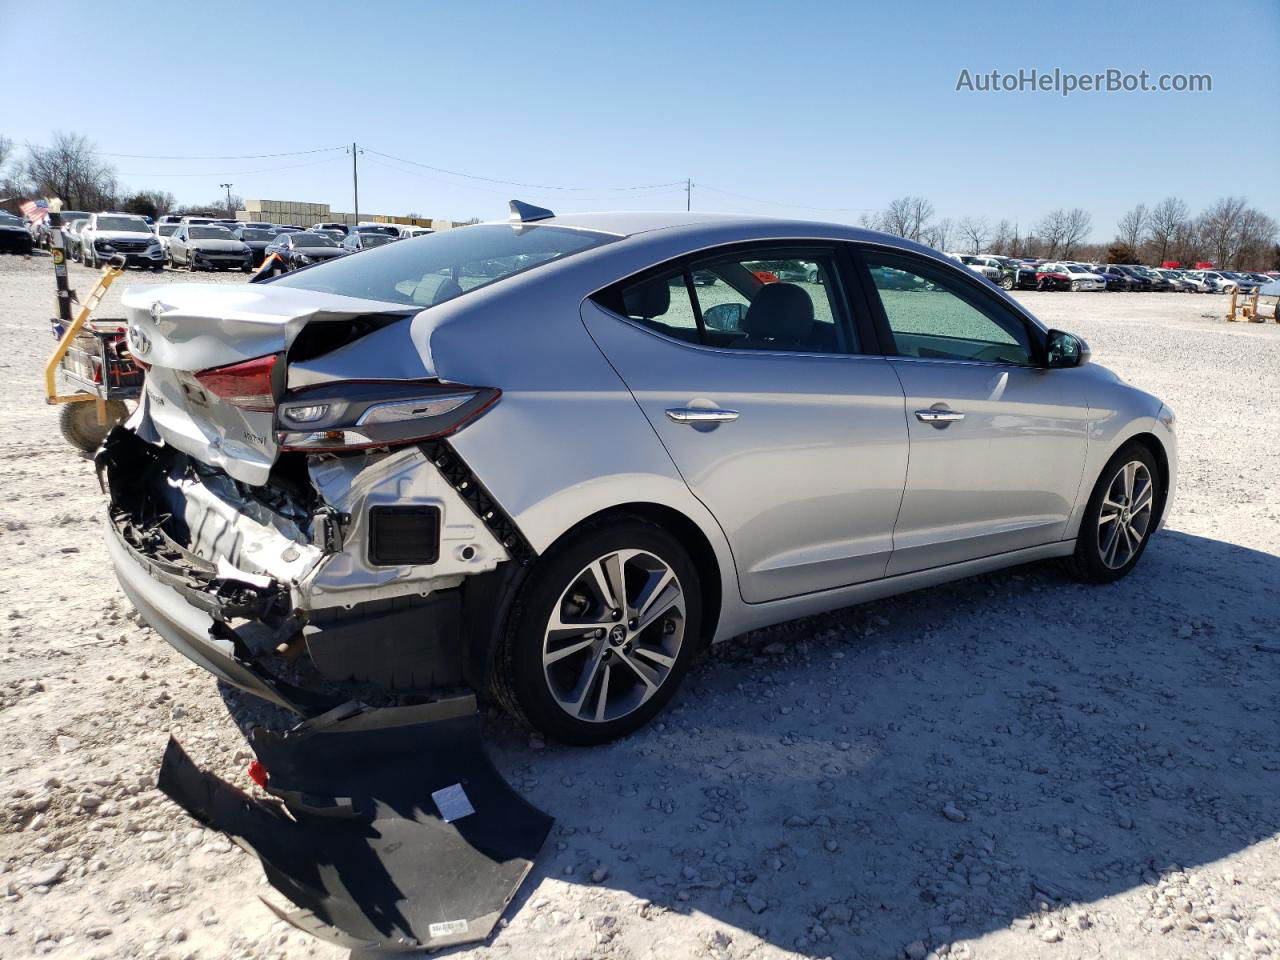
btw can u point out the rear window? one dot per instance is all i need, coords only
(443, 265)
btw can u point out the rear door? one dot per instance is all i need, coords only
(779, 421)
(997, 441)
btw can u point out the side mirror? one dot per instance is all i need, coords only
(725, 317)
(1065, 350)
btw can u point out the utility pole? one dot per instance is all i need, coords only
(58, 254)
(688, 193)
(355, 181)
(227, 187)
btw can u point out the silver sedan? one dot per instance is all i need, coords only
(554, 457)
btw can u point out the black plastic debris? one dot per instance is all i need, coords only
(391, 830)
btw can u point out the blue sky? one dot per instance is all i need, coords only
(836, 107)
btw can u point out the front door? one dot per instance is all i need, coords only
(997, 441)
(752, 376)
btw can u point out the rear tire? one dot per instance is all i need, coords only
(611, 669)
(1125, 507)
(79, 424)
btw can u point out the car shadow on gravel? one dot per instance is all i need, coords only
(931, 767)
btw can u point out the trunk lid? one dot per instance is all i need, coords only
(178, 331)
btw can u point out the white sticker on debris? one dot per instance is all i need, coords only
(449, 927)
(453, 804)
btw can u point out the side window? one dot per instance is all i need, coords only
(935, 315)
(777, 300)
(661, 303)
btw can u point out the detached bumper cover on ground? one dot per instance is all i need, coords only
(399, 833)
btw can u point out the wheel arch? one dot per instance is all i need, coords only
(1157, 450)
(701, 552)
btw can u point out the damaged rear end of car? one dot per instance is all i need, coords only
(287, 511)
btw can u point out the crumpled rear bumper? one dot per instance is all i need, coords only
(189, 609)
(393, 832)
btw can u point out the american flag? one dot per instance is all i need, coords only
(34, 210)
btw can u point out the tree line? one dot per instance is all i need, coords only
(1229, 232)
(69, 168)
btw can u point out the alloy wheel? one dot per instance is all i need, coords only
(1124, 518)
(613, 636)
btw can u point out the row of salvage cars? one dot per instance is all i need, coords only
(548, 461)
(1031, 274)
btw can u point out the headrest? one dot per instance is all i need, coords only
(649, 299)
(446, 291)
(780, 311)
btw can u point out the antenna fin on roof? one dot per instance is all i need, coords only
(522, 212)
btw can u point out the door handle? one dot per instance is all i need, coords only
(696, 415)
(938, 416)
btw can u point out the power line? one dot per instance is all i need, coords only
(779, 203)
(666, 188)
(242, 156)
(517, 183)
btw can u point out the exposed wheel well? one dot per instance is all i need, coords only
(700, 551)
(1156, 448)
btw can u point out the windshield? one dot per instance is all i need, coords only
(8, 218)
(257, 235)
(124, 224)
(443, 265)
(376, 240)
(210, 233)
(166, 229)
(312, 240)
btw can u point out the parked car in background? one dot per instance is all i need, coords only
(288, 228)
(163, 232)
(1116, 281)
(356, 241)
(208, 246)
(41, 236)
(793, 484)
(71, 238)
(986, 266)
(337, 236)
(1244, 283)
(299, 250)
(1222, 281)
(1050, 277)
(1138, 282)
(1159, 284)
(106, 235)
(15, 236)
(341, 228)
(256, 239)
(256, 224)
(172, 218)
(1201, 282)
(1078, 276)
(387, 229)
(1179, 283)
(1015, 274)
(200, 221)
(409, 232)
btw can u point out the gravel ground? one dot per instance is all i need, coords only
(1014, 767)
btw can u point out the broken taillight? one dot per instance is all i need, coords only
(246, 384)
(258, 773)
(359, 415)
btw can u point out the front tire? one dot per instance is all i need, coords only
(1120, 517)
(1007, 283)
(601, 633)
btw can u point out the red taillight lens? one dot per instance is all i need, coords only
(258, 773)
(246, 385)
(361, 415)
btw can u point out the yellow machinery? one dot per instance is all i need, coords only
(93, 360)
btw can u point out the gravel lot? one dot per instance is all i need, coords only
(1013, 767)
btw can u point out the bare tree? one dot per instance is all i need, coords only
(1001, 238)
(6, 151)
(70, 170)
(1256, 238)
(975, 232)
(1075, 229)
(1132, 226)
(1220, 229)
(938, 234)
(906, 217)
(1051, 230)
(1163, 223)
